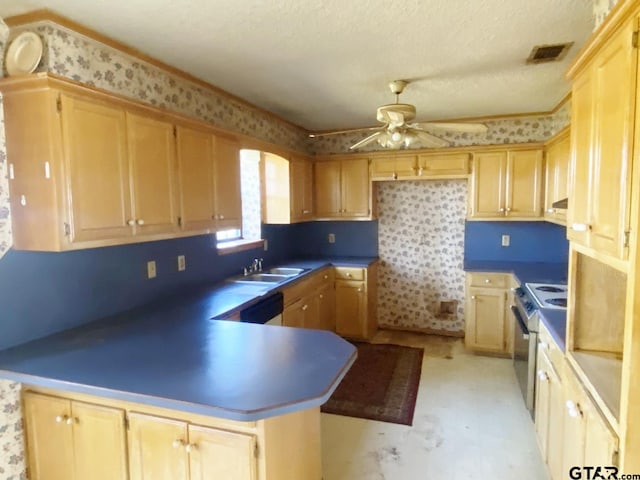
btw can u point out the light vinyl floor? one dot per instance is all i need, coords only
(470, 422)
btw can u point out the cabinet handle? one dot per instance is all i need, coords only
(177, 443)
(326, 277)
(321, 296)
(221, 217)
(542, 375)
(487, 280)
(349, 275)
(304, 212)
(131, 223)
(473, 297)
(502, 209)
(550, 210)
(508, 209)
(304, 307)
(61, 418)
(580, 227)
(394, 176)
(573, 409)
(543, 345)
(190, 447)
(140, 222)
(420, 171)
(360, 290)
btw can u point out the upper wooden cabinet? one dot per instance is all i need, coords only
(226, 177)
(603, 112)
(342, 188)
(558, 154)
(287, 189)
(506, 185)
(90, 169)
(422, 166)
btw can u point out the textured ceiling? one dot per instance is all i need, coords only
(326, 65)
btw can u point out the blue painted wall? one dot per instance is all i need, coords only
(353, 239)
(530, 242)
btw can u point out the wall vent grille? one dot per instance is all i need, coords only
(549, 53)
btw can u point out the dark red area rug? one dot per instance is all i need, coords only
(381, 385)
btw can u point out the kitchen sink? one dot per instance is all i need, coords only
(289, 272)
(262, 278)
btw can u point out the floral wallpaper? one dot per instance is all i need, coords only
(601, 9)
(421, 249)
(12, 461)
(509, 130)
(5, 219)
(250, 188)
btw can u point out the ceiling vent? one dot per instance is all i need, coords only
(549, 53)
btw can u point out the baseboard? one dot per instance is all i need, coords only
(428, 331)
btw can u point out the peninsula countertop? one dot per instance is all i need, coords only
(172, 354)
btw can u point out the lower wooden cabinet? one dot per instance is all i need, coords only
(310, 303)
(72, 440)
(73, 436)
(356, 302)
(166, 449)
(487, 322)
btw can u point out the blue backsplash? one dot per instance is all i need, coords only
(530, 242)
(43, 293)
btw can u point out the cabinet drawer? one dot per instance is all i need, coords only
(348, 273)
(306, 285)
(489, 280)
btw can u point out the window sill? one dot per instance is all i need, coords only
(225, 248)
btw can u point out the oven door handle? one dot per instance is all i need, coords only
(521, 324)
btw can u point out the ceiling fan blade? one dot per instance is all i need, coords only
(396, 119)
(429, 140)
(368, 140)
(456, 127)
(338, 132)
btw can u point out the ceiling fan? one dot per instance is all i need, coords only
(398, 132)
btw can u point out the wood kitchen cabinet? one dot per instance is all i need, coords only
(486, 320)
(342, 188)
(226, 178)
(74, 440)
(97, 169)
(602, 148)
(356, 302)
(310, 303)
(506, 185)
(423, 166)
(287, 189)
(557, 154)
(167, 449)
(394, 167)
(73, 436)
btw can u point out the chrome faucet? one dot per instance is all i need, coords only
(256, 266)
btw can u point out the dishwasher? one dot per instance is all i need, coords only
(267, 311)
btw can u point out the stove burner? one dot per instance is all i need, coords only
(558, 302)
(545, 288)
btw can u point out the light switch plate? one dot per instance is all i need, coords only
(332, 238)
(151, 269)
(182, 263)
(506, 240)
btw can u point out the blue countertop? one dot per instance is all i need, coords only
(525, 272)
(171, 354)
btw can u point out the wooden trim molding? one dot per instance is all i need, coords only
(226, 248)
(48, 15)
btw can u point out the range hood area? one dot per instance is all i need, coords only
(561, 203)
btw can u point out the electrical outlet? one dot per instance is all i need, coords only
(151, 269)
(182, 263)
(332, 238)
(506, 240)
(266, 244)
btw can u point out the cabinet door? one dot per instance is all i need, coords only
(326, 307)
(555, 438)
(220, 454)
(153, 172)
(195, 176)
(327, 189)
(601, 444)
(524, 184)
(384, 168)
(297, 179)
(543, 379)
(574, 426)
(350, 298)
(485, 322)
(95, 147)
(294, 315)
(49, 437)
(226, 175)
(157, 448)
(307, 195)
(556, 170)
(487, 197)
(581, 138)
(99, 442)
(355, 188)
(614, 82)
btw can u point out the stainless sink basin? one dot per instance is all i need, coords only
(289, 272)
(262, 278)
